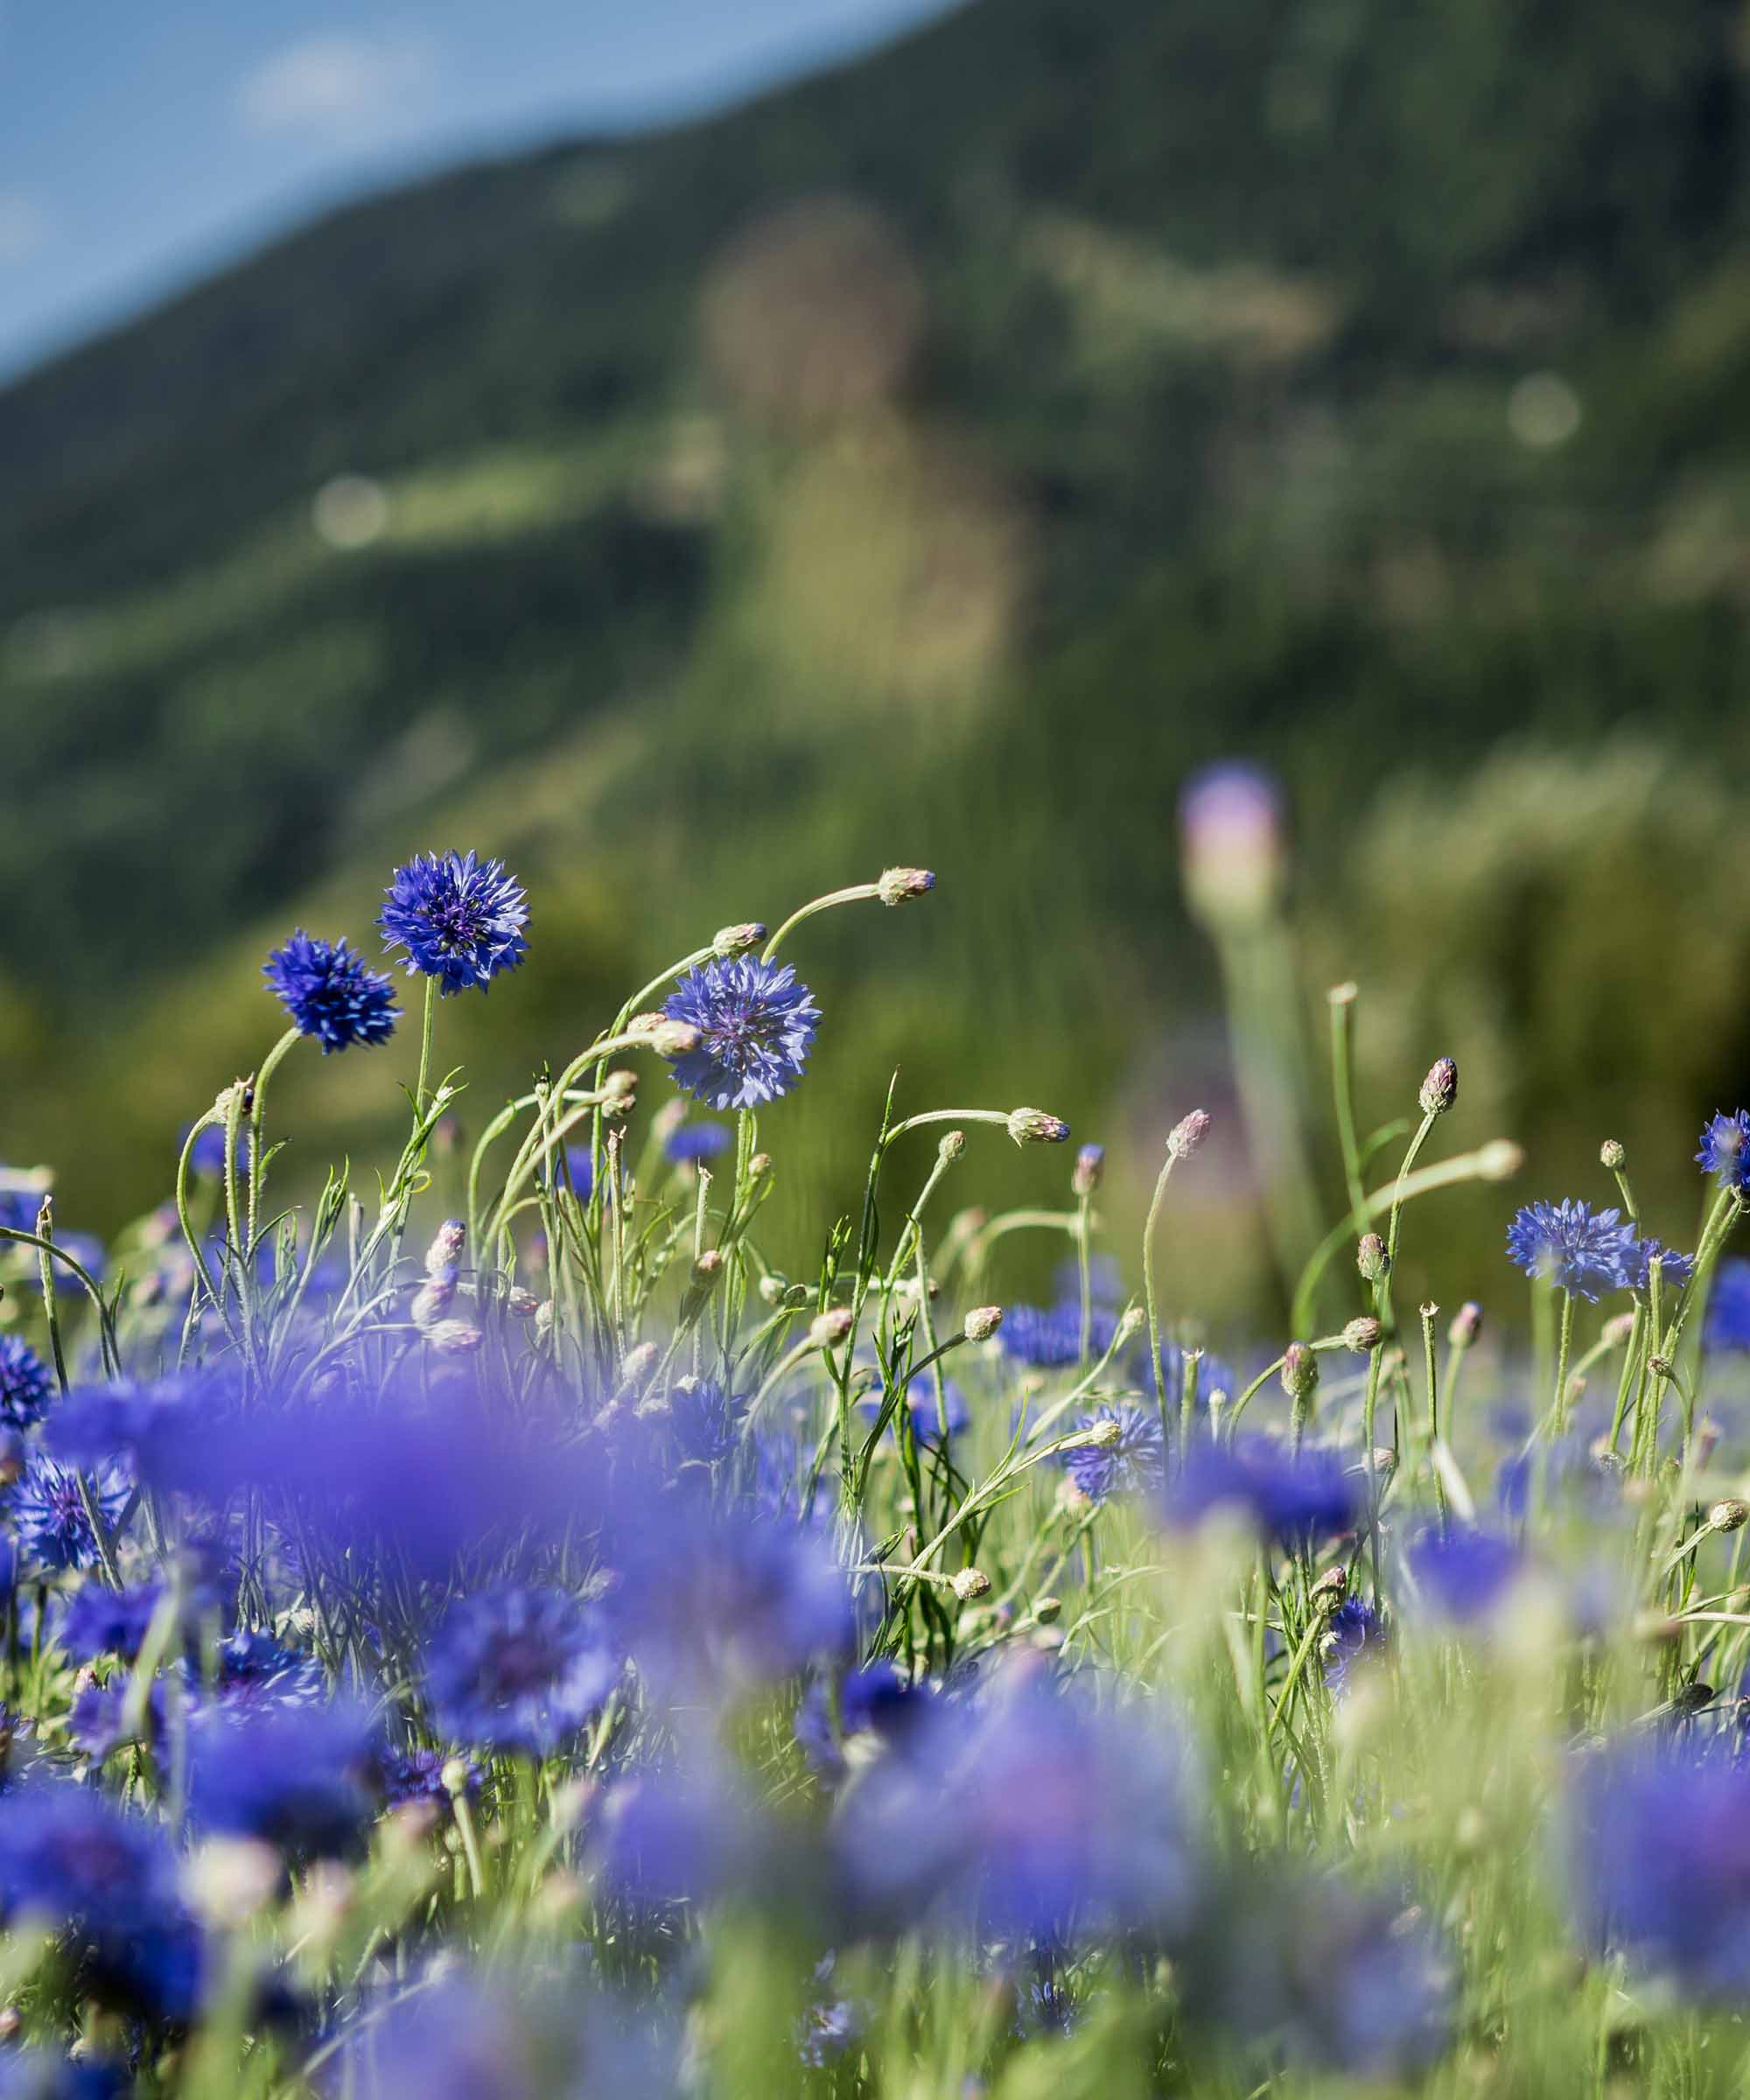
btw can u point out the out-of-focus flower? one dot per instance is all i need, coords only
(1029, 1811)
(756, 1024)
(1728, 1307)
(1294, 1498)
(26, 1383)
(455, 918)
(693, 1141)
(31, 2074)
(1353, 1636)
(331, 995)
(1231, 841)
(927, 1418)
(706, 1419)
(1660, 1861)
(1463, 1574)
(1047, 1337)
(516, 1669)
(290, 1775)
(1571, 1246)
(679, 1834)
(101, 1622)
(875, 1702)
(1674, 1268)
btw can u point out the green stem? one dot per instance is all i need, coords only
(428, 1026)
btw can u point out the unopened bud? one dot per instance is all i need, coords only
(1187, 1134)
(543, 1320)
(675, 1039)
(758, 1166)
(737, 940)
(455, 1337)
(970, 1583)
(1441, 1088)
(1616, 1331)
(1089, 1169)
(1372, 1259)
(1611, 1154)
(636, 1369)
(1104, 1433)
(1130, 1324)
(1034, 1126)
(1662, 1368)
(1384, 1461)
(1299, 1372)
(898, 883)
(1363, 1334)
(707, 1270)
(982, 1321)
(1467, 1325)
(621, 1084)
(520, 1304)
(1343, 995)
(1499, 1159)
(1047, 1609)
(953, 1145)
(433, 1299)
(1329, 1591)
(445, 1249)
(1729, 1515)
(455, 1775)
(827, 1329)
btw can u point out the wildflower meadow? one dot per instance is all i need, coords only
(488, 1626)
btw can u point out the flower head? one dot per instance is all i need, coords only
(1048, 1336)
(1352, 1633)
(1728, 1308)
(1725, 1148)
(928, 1422)
(1674, 1268)
(26, 1386)
(692, 1142)
(756, 1027)
(101, 1622)
(329, 994)
(1569, 1244)
(1295, 1498)
(874, 1702)
(289, 1775)
(516, 1669)
(1122, 1464)
(459, 919)
(49, 1516)
(1463, 1574)
(705, 1418)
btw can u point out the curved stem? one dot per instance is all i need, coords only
(858, 893)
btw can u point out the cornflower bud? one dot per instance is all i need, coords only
(970, 1583)
(1187, 1134)
(1441, 1088)
(455, 1337)
(1034, 1126)
(1616, 1331)
(1047, 1609)
(1372, 1259)
(1363, 1334)
(1329, 1591)
(638, 1366)
(520, 1304)
(737, 940)
(1499, 1159)
(1105, 1434)
(1089, 1169)
(455, 1775)
(1662, 1366)
(674, 1039)
(1129, 1323)
(1611, 1154)
(1299, 1372)
(827, 1329)
(543, 1320)
(953, 1145)
(771, 1289)
(898, 884)
(758, 1166)
(1728, 1516)
(433, 1299)
(982, 1321)
(1467, 1325)
(445, 1249)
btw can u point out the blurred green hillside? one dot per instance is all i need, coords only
(934, 463)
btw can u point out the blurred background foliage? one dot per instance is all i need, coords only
(937, 463)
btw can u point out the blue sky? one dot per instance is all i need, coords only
(144, 142)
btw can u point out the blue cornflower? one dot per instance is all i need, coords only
(1215, 1374)
(1725, 1148)
(1463, 1574)
(695, 1141)
(757, 1026)
(26, 1386)
(516, 1669)
(1352, 1633)
(1728, 1307)
(331, 995)
(680, 1833)
(102, 1621)
(1674, 1268)
(1660, 1859)
(707, 1420)
(458, 919)
(1295, 1499)
(1129, 1463)
(110, 1879)
(32, 2073)
(289, 1775)
(50, 1519)
(921, 1404)
(256, 1671)
(417, 1775)
(1571, 1246)
(1049, 1336)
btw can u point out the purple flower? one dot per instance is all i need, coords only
(757, 1026)
(31, 2074)
(874, 1701)
(289, 1775)
(1029, 1811)
(706, 1420)
(49, 1516)
(458, 919)
(1294, 1499)
(1353, 1635)
(1568, 1245)
(26, 1383)
(1047, 1337)
(678, 1834)
(101, 1622)
(1725, 1148)
(1660, 1862)
(1463, 1574)
(695, 1141)
(1128, 1464)
(417, 1775)
(516, 1669)
(921, 1404)
(1728, 1307)
(329, 994)
(1674, 1268)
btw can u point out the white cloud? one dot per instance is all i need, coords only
(358, 89)
(23, 227)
